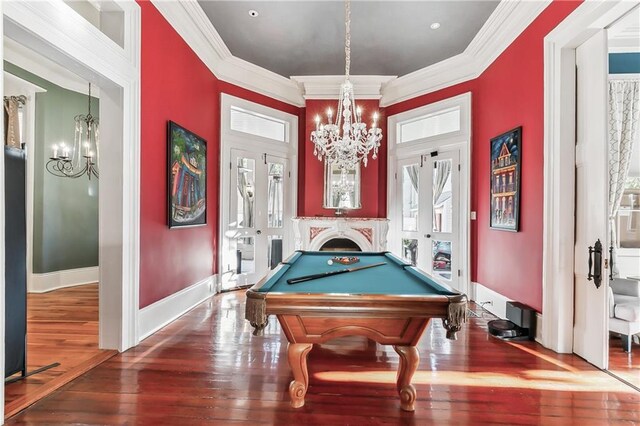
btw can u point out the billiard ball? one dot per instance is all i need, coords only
(329, 262)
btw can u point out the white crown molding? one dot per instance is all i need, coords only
(193, 25)
(30, 61)
(504, 25)
(328, 86)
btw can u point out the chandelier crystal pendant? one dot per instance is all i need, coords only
(346, 141)
(80, 159)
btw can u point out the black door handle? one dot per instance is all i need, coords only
(595, 262)
(611, 263)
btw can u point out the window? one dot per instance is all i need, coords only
(438, 123)
(258, 124)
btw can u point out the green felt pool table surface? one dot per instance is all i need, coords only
(396, 277)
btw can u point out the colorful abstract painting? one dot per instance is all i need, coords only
(187, 177)
(506, 161)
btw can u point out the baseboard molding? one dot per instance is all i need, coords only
(157, 315)
(42, 283)
(490, 300)
(539, 327)
(496, 303)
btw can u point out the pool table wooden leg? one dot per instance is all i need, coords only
(409, 360)
(297, 354)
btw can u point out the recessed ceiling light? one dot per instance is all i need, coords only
(253, 13)
(435, 25)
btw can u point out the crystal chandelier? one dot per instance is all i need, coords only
(346, 141)
(82, 158)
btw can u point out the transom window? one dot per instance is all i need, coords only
(256, 124)
(435, 124)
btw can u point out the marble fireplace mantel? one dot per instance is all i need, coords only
(370, 234)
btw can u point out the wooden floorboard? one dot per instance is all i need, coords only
(207, 368)
(626, 365)
(62, 326)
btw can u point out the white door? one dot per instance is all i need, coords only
(259, 216)
(592, 177)
(428, 212)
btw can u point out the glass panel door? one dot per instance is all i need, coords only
(443, 212)
(428, 214)
(258, 217)
(409, 190)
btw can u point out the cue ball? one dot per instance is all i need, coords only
(329, 262)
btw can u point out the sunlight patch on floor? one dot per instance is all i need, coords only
(553, 380)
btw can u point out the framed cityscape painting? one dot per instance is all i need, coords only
(187, 155)
(506, 162)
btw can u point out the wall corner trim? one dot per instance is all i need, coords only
(43, 283)
(161, 313)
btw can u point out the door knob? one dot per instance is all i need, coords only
(258, 232)
(427, 235)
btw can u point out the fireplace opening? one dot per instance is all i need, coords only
(340, 244)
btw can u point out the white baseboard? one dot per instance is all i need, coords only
(498, 305)
(539, 328)
(42, 283)
(490, 300)
(157, 315)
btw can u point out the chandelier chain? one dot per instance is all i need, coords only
(347, 37)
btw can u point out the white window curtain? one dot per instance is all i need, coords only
(624, 107)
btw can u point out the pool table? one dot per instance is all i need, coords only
(391, 304)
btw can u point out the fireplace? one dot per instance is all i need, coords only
(367, 234)
(340, 244)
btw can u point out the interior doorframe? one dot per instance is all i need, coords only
(559, 156)
(230, 139)
(57, 32)
(455, 140)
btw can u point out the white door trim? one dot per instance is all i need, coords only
(57, 32)
(231, 139)
(456, 140)
(559, 157)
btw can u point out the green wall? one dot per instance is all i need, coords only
(65, 219)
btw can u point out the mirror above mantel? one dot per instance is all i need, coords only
(341, 189)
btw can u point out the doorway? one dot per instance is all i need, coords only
(114, 67)
(429, 189)
(258, 196)
(577, 300)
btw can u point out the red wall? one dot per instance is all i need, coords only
(508, 94)
(373, 177)
(177, 86)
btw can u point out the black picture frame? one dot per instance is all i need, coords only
(186, 177)
(504, 180)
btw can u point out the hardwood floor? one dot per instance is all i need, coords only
(62, 326)
(624, 364)
(207, 368)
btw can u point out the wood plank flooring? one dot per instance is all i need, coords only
(62, 326)
(207, 368)
(624, 364)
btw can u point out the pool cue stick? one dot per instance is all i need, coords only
(331, 273)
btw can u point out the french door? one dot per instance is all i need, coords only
(259, 216)
(428, 188)
(592, 178)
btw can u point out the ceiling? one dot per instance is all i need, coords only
(307, 37)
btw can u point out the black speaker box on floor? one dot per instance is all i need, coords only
(520, 323)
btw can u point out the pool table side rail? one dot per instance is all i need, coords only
(452, 309)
